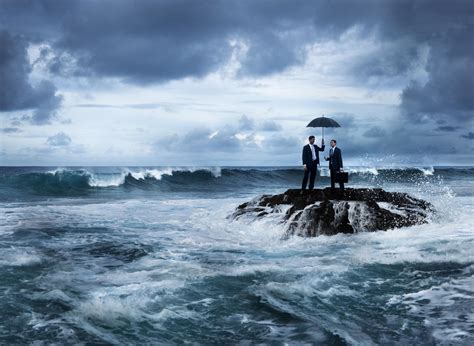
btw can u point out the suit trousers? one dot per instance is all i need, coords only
(333, 180)
(310, 171)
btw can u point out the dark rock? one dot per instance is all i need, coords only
(350, 211)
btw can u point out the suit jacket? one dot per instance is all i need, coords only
(308, 157)
(335, 161)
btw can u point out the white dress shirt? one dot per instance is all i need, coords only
(313, 151)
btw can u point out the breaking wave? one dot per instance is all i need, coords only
(71, 181)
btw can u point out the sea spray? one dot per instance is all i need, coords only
(157, 260)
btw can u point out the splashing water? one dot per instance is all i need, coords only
(150, 257)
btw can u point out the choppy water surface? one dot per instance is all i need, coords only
(146, 255)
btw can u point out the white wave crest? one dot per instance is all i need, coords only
(58, 170)
(117, 179)
(324, 171)
(105, 180)
(364, 170)
(426, 171)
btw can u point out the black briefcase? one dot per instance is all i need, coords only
(342, 177)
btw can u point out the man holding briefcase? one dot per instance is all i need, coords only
(335, 166)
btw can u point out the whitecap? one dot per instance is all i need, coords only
(105, 180)
(20, 257)
(364, 170)
(97, 179)
(426, 171)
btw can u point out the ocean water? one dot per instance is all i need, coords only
(147, 255)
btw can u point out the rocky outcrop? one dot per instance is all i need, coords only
(325, 212)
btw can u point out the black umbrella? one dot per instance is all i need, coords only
(323, 122)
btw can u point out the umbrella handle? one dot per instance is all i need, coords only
(323, 129)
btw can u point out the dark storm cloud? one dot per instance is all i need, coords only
(450, 87)
(157, 41)
(154, 41)
(16, 92)
(469, 135)
(144, 42)
(448, 93)
(276, 55)
(448, 128)
(390, 60)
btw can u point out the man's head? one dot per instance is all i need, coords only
(333, 143)
(311, 139)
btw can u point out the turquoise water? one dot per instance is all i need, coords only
(135, 255)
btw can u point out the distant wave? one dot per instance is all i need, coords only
(107, 179)
(70, 181)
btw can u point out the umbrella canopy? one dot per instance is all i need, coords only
(323, 122)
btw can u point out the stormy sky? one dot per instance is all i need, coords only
(125, 82)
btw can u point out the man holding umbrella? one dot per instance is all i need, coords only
(310, 162)
(310, 158)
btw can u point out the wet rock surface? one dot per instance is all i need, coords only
(350, 211)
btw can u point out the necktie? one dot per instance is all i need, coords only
(331, 152)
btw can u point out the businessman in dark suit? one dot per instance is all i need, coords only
(335, 163)
(310, 162)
